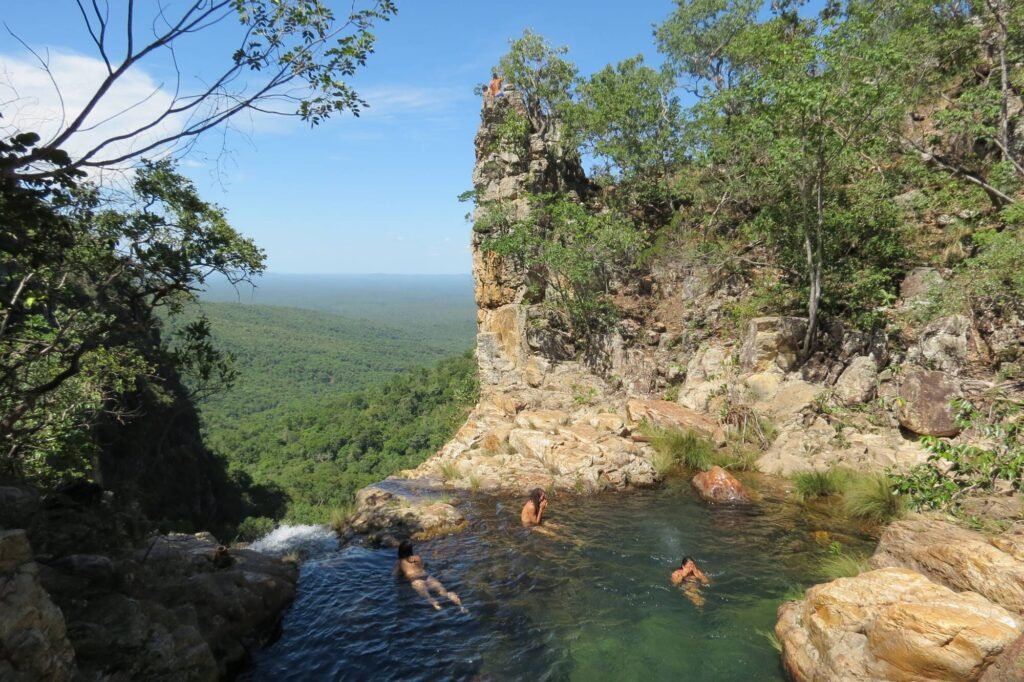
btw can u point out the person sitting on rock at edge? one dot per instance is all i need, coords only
(494, 87)
(410, 567)
(688, 571)
(534, 508)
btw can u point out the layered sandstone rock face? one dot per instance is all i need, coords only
(945, 604)
(544, 419)
(894, 625)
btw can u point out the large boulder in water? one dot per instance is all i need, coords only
(717, 485)
(892, 624)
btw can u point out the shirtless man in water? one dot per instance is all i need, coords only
(534, 508)
(410, 567)
(688, 575)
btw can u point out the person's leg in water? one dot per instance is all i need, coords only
(692, 591)
(420, 585)
(435, 584)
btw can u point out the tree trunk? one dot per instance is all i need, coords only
(815, 254)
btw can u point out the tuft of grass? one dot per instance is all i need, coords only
(739, 458)
(841, 565)
(449, 471)
(340, 516)
(873, 497)
(663, 461)
(684, 447)
(820, 483)
(794, 593)
(474, 482)
(772, 638)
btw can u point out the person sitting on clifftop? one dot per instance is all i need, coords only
(494, 87)
(410, 566)
(534, 508)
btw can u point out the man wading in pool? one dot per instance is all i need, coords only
(410, 567)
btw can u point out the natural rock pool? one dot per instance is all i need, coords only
(592, 603)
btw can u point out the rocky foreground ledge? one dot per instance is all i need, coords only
(173, 608)
(944, 603)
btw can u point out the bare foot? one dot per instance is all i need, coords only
(437, 607)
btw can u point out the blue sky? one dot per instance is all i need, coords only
(375, 194)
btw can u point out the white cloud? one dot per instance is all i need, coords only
(34, 103)
(398, 100)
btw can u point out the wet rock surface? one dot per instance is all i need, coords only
(718, 486)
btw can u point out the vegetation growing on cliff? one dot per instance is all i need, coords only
(90, 385)
(800, 130)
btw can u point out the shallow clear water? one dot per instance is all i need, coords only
(592, 603)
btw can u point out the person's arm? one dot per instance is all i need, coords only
(699, 575)
(543, 506)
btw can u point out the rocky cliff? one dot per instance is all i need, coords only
(80, 600)
(553, 415)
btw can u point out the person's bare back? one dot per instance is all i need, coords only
(410, 566)
(533, 510)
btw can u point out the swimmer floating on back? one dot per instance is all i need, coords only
(410, 567)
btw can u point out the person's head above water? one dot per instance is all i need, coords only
(687, 560)
(404, 549)
(536, 496)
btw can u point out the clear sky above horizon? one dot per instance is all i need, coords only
(375, 194)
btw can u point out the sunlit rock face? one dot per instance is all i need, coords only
(945, 603)
(892, 624)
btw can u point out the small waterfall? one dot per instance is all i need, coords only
(310, 542)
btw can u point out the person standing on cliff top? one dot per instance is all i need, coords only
(494, 87)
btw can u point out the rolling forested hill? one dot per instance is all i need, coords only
(341, 380)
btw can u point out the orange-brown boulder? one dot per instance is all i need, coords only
(716, 485)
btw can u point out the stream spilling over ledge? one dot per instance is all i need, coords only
(591, 602)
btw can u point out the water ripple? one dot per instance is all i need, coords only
(591, 603)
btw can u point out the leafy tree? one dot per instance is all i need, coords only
(799, 131)
(286, 57)
(540, 76)
(627, 116)
(699, 41)
(573, 254)
(82, 281)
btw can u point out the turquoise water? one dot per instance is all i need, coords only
(592, 603)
